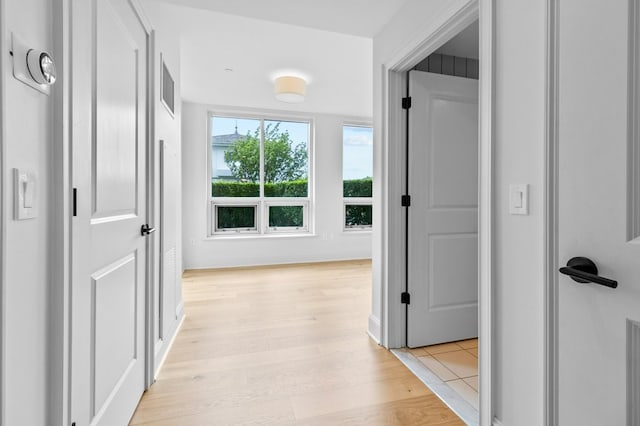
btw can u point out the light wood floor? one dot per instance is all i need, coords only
(284, 345)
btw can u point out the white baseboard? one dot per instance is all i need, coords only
(374, 328)
(168, 348)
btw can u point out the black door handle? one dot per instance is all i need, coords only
(146, 230)
(583, 270)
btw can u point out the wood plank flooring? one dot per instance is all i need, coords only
(284, 345)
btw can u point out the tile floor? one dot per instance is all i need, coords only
(454, 363)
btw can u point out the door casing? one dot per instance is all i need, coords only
(392, 321)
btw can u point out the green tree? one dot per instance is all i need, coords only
(284, 160)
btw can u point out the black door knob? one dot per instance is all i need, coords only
(583, 270)
(146, 230)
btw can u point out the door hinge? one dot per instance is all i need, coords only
(406, 102)
(405, 298)
(75, 202)
(406, 201)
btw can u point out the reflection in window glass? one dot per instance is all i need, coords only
(235, 157)
(286, 216)
(235, 217)
(357, 161)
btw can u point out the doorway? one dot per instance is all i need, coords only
(442, 219)
(394, 319)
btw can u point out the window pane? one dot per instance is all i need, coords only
(357, 161)
(236, 217)
(358, 215)
(286, 216)
(235, 157)
(286, 167)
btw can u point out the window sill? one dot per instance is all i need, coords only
(357, 231)
(240, 236)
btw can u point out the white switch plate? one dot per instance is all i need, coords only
(24, 194)
(519, 199)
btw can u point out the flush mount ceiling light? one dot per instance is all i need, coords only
(290, 89)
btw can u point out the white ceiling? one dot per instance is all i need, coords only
(339, 67)
(363, 18)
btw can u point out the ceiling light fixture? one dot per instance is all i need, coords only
(290, 89)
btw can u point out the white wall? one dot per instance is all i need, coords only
(167, 130)
(329, 241)
(519, 240)
(518, 158)
(27, 144)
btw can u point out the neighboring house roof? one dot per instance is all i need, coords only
(226, 140)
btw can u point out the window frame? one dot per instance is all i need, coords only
(234, 202)
(285, 202)
(262, 202)
(361, 201)
(353, 201)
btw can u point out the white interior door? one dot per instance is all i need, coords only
(108, 293)
(596, 330)
(443, 217)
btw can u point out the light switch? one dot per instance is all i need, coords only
(519, 199)
(29, 193)
(24, 194)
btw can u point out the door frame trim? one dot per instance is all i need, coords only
(3, 194)
(151, 266)
(550, 384)
(452, 19)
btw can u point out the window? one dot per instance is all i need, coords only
(259, 175)
(357, 172)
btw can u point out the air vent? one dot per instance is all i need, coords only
(633, 373)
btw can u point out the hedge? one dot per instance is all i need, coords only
(296, 188)
(357, 188)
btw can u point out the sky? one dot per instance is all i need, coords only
(357, 141)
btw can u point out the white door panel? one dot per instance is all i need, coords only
(443, 217)
(109, 283)
(593, 170)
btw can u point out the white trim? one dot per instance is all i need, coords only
(373, 328)
(60, 221)
(256, 204)
(152, 267)
(168, 348)
(290, 202)
(485, 208)
(454, 18)
(550, 400)
(142, 16)
(3, 224)
(633, 125)
(496, 422)
(359, 201)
